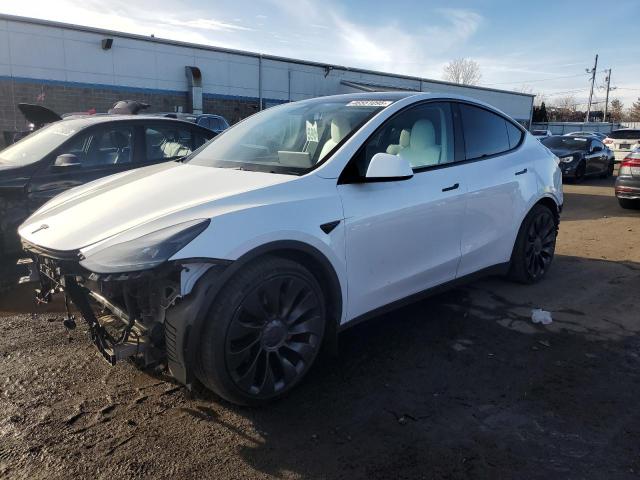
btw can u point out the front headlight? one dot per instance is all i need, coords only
(145, 252)
(568, 159)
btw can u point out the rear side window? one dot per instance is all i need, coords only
(168, 142)
(627, 134)
(485, 133)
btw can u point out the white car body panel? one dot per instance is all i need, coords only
(400, 241)
(394, 238)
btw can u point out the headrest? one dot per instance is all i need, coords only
(405, 135)
(422, 134)
(340, 127)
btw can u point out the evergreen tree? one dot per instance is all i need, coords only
(616, 110)
(634, 112)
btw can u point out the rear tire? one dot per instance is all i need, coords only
(264, 332)
(628, 203)
(610, 168)
(535, 246)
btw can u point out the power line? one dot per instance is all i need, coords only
(538, 80)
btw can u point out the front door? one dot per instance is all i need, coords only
(403, 237)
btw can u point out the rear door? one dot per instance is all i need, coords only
(105, 149)
(500, 181)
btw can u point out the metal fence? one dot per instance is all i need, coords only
(560, 128)
(630, 124)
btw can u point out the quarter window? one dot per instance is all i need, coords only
(514, 133)
(485, 133)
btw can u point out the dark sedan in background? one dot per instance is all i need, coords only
(75, 151)
(581, 156)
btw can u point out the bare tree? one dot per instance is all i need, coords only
(462, 70)
(564, 108)
(539, 98)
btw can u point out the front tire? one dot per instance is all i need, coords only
(580, 172)
(535, 246)
(264, 332)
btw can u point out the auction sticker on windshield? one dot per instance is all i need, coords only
(369, 103)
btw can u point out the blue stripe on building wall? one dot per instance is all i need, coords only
(124, 88)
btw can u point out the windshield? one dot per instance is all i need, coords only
(568, 143)
(291, 138)
(39, 144)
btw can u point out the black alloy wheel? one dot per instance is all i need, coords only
(262, 332)
(535, 246)
(540, 244)
(274, 335)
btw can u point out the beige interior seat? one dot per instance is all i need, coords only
(340, 127)
(422, 150)
(394, 148)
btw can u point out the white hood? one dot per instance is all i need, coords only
(92, 213)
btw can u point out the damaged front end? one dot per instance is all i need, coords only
(127, 313)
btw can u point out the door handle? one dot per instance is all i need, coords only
(523, 171)
(452, 187)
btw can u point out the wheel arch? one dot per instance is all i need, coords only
(184, 322)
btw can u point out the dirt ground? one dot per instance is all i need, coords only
(459, 386)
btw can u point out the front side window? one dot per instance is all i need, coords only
(102, 146)
(291, 138)
(168, 142)
(423, 135)
(485, 133)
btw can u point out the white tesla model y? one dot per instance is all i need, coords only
(236, 264)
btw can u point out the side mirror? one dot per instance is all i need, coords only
(67, 160)
(596, 149)
(387, 168)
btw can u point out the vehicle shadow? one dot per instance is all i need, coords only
(463, 385)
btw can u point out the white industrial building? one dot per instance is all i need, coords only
(75, 68)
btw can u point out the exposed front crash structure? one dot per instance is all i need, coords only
(143, 315)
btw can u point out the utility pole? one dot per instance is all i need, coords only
(606, 102)
(593, 80)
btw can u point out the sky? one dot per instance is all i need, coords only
(542, 47)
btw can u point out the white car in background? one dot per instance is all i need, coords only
(541, 133)
(235, 265)
(622, 142)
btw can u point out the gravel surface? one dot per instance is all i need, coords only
(460, 386)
